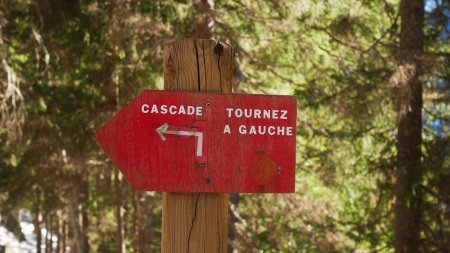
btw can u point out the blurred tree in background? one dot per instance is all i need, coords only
(372, 82)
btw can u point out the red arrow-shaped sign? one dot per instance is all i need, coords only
(204, 142)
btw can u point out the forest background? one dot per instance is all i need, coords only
(373, 143)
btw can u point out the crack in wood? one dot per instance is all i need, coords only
(198, 65)
(192, 224)
(218, 50)
(175, 51)
(204, 65)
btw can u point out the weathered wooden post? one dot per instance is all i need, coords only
(196, 222)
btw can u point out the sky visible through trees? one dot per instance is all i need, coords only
(373, 142)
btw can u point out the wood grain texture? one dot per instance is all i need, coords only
(196, 222)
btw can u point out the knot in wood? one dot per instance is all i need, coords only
(218, 49)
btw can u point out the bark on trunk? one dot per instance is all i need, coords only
(205, 22)
(84, 215)
(119, 214)
(64, 238)
(136, 221)
(59, 233)
(37, 225)
(408, 207)
(48, 238)
(75, 220)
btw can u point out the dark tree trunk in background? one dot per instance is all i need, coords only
(119, 213)
(37, 225)
(205, 22)
(85, 225)
(137, 218)
(48, 236)
(64, 237)
(84, 214)
(75, 220)
(59, 233)
(408, 207)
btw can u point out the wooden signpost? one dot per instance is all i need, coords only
(197, 147)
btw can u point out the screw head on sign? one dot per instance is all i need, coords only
(208, 105)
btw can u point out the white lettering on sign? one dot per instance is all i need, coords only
(163, 109)
(276, 114)
(242, 129)
(256, 113)
(144, 108)
(198, 111)
(226, 129)
(265, 130)
(238, 113)
(172, 109)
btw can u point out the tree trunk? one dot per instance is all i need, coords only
(59, 232)
(84, 215)
(75, 220)
(64, 237)
(48, 222)
(37, 224)
(119, 213)
(136, 221)
(205, 23)
(408, 207)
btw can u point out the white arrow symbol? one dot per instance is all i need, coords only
(164, 129)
